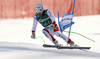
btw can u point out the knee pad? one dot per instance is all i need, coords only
(45, 33)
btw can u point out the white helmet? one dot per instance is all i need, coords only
(39, 8)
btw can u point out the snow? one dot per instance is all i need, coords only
(16, 42)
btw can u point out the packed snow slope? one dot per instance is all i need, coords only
(16, 42)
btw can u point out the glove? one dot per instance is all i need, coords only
(51, 27)
(33, 35)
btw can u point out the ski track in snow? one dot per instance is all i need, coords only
(15, 41)
(26, 50)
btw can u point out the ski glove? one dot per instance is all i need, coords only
(33, 35)
(51, 27)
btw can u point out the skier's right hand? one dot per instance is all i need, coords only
(51, 27)
(33, 35)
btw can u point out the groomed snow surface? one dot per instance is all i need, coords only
(16, 42)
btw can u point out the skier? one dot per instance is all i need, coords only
(46, 18)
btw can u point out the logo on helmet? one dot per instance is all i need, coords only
(39, 7)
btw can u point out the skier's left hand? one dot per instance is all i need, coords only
(51, 27)
(33, 35)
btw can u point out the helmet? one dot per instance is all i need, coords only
(39, 8)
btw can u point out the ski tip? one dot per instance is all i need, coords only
(58, 47)
(44, 45)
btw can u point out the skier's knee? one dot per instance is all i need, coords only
(45, 32)
(57, 33)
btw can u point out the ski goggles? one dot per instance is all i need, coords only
(39, 11)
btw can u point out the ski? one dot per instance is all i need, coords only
(46, 45)
(74, 47)
(63, 47)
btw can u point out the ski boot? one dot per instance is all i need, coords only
(72, 44)
(56, 43)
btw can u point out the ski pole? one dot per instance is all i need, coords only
(81, 35)
(41, 38)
